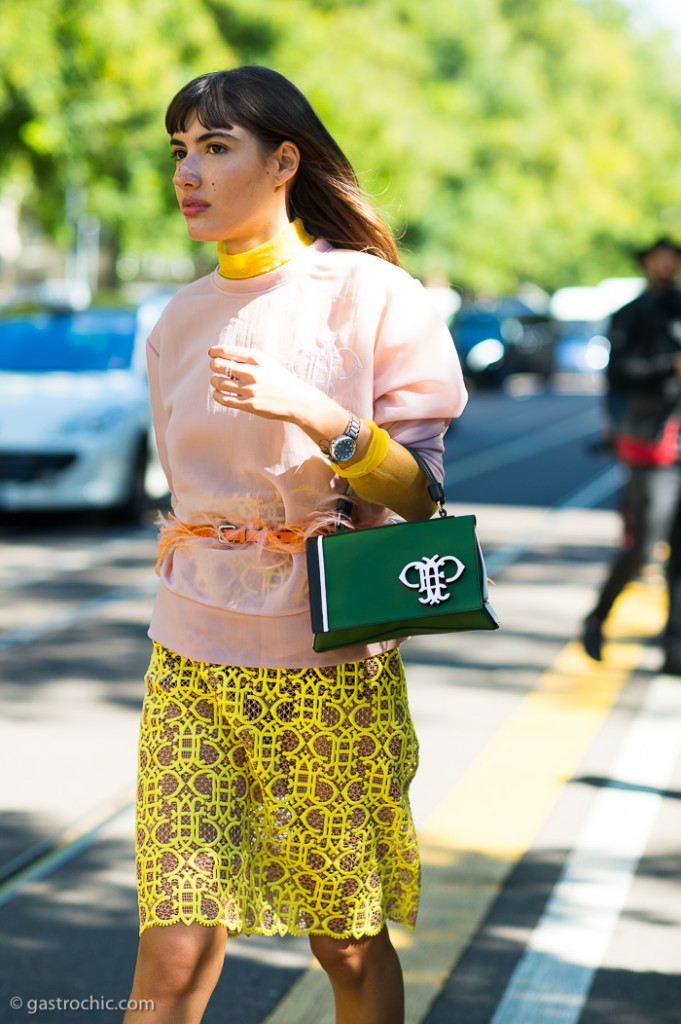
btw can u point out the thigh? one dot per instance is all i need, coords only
(665, 489)
(652, 504)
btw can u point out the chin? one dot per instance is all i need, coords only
(203, 234)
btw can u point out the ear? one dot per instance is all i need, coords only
(286, 160)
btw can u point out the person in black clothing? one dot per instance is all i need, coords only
(644, 406)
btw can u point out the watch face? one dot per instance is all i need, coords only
(343, 448)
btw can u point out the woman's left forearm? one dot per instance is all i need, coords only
(394, 479)
(323, 419)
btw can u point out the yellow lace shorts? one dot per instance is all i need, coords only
(275, 800)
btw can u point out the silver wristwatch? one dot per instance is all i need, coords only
(344, 446)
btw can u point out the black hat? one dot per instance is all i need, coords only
(661, 243)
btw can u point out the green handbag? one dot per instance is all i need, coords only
(404, 579)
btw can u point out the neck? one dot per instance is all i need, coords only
(270, 256)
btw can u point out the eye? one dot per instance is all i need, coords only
(216, 147)
(178, 154)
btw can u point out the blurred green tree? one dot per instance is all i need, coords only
(507, 140)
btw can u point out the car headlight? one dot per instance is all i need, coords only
(597, 353)
(485, 354)
(94, 422)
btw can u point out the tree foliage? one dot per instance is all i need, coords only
(505, 140)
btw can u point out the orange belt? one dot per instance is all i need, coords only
(287, 539)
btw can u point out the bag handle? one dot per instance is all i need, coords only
(343, 511)
(435, 488)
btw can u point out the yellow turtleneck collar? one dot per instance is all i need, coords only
(270, 256)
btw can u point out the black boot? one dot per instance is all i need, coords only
(592, 637)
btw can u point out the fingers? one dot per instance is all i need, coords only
(231, 368)
(245, 355)
(232, 353)
(228, 369)
(230, 378)
(230, 400)
(229, 385)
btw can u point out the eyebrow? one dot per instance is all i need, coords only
(206, 136)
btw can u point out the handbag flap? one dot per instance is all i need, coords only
(397, 572)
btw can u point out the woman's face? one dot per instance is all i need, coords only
(228, 189)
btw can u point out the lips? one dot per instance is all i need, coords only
(192, 205)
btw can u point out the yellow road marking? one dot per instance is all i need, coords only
(490, 818)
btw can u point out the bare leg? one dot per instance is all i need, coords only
(366, 978)
(178, 967)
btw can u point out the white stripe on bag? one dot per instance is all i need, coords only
(322, 585)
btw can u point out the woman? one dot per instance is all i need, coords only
(273, 781)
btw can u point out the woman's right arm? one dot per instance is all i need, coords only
(158, 412)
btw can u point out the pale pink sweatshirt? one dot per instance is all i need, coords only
(357, 328)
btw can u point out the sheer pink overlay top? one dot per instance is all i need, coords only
(354, 326)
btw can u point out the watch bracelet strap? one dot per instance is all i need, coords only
(355, 422)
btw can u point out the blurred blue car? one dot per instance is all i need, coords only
(75, 416)
(480, 345)
(583, 346)
(507, 337)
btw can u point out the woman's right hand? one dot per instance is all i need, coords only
(255, 382)
(251, 380)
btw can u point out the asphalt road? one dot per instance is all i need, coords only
(548, 799)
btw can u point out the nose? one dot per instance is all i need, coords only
(186, 174)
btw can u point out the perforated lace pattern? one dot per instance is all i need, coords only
(275, 800)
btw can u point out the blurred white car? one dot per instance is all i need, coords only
(583, 316)
(75, 417)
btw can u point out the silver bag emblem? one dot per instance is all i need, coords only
(432, 581)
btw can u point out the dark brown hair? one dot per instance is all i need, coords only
(325, 193)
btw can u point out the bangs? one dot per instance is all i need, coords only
(205, 98)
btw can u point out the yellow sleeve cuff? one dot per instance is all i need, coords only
(389, 475)
(372, 459)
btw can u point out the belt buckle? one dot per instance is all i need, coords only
(226, 527)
